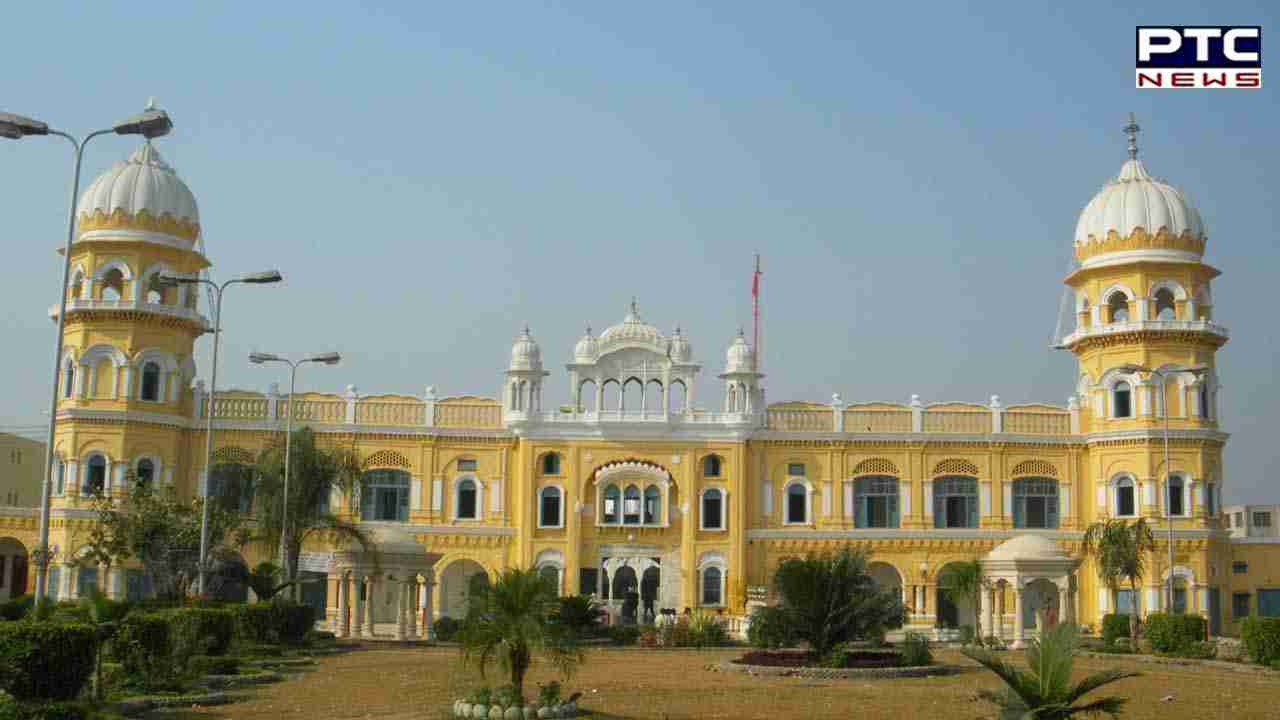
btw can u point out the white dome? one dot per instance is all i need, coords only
(1027, 547)
(681, 349)
(144, 182)
(739, 357)
(585, 350)
(1135, 200)
(631, 330)
(525, 353)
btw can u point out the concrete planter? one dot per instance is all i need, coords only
(463, 709)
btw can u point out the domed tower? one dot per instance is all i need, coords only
(742, 391)
(522, 391)
(1146, 340)
(128, 341)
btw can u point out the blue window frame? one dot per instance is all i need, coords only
(876, 502)
(955, 502)
(384, 495)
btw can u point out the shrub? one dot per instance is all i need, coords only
(258, 650)
(769, 629)
(294, 621)
(16, 608)
(966, 634)
(201, 665)
(648, 636)
(549, 693)
(255, 623)
(199, 631)
(830, 598)
(446, 628)
(624, 634)
(915, 650)
(47, 711)
(142, 645)
(580, 613)
(1174, 633)
(319, 636)
(1115, 625)
(1261, 636)
(44, 660)
(276, 621)
(706, 630)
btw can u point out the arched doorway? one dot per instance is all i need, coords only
(952, 611)
(13, 568)
(649, 584)
(455, 586)
(624, 584)
(1040, 599)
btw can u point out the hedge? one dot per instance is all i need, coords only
(206, 665)
(1114, 626)
(1173, 633)
(1261, 636)
(45, 660)
(446, 628)
(770, 629)
(143, 646)
(200, 631)
(278, 621)
(16, 608)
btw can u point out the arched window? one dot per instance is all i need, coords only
(467, 507)
(955, 502)
(551, 464)
(652, 505)
(1125, 497)
(876, 502)
(551, 574)
(1122, 400)
(1035, 503)
(1119, 306)
(1211, 499)
(797, 503)
(1202, 397)
(113, 285)
(61, 483)
(612, 509)
(95, 476)
(1165, 307)
(712, 510)
(549, 507)
(151, 382)
(145, 473)
(231, 485)
(712, 590)
(68, 378)
(384, 495)
(711, 466)
(1173, 496)
(631, 506)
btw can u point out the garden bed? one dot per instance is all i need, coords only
(858, 664)
(858, 659)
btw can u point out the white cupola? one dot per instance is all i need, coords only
(739, 357)
(525, 353)
(141, 198)
(681, 348)
(743, 393)
(586, 349)
(522, 388)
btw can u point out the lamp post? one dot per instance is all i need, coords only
(151, 123)
(259, 278)
(1164, 394)
(257, 358)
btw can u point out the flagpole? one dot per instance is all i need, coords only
(755, 315)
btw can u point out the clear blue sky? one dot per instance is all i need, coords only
(431, 176)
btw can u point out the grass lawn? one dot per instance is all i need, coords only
(636, 683)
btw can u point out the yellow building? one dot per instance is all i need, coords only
(682, 486)
(21, 465)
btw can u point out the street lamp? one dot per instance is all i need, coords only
(1164, 394)
(165, 280)
(258, 358)
(151, 123)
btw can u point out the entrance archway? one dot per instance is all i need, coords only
(13, 568)
(885, 576)
(952, 612)
(1040, 599)
(649, 584)
(455, 586)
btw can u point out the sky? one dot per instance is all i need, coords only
(431, 177)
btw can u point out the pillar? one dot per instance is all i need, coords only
(344, 618)
(999, 591)
(428, 587)
(411, 606)
(988, 626)
(1019, 631)
(402, 593)
(357, 627)
(1064, 602)
(369, 588)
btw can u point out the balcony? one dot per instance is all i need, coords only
(1120, 328)
(173, 311)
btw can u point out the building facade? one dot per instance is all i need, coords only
(682, 486)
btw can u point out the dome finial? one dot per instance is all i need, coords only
(151, 104)
(1132, 130)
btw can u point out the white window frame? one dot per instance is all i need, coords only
(808, 501)
(724, 508)
(457, 493)
(708, 560)
(1115, 495)
(1184, 491)
(542, 467)
(84, 470)
(538, 511)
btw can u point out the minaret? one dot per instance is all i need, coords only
(1145, 331)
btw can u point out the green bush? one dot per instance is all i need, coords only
(256, 623)
(1115, 625)
(915, 650)
(45, 660)
(259, 650)
(143, 646)
(295, 621)
(199, 631)
(201, 665)
(706, 630)
(966, 635)
(17, 608)
(624, 634)
(769, 629)
(446, 628)
(319, 636)
(1174, 634)
(1261, 636)
(46, 711)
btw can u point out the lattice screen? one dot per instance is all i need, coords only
(876, 466)
(233, 454)
(1039, 468)
(955, 466)
(386, 459)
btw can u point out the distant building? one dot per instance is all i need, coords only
(21, 464)
(1253, 521)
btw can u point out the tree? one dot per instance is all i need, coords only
(964, 581)
(828, 599)
(580, 613)
(512, 620)
(1119, 550)
(316, 473)
(1044, 691)
(163, 533)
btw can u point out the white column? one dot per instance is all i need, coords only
(411, 606)
(1202, 598)
(1154, 599)
(984, 495)
(415, 493)
(1019, 631)
(928, 502)
(344, 617)
(999, 624)
(369, 601)
(428, 587)
(1064, 603)
(127, 393)
(402, 593)
(988, 612)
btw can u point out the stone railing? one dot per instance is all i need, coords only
(375, 411)
(877, 421)
(801, 420)
(916, 417)
(320, 411)
(237, 408)
(390, 413)
(957, 421)
(468, 415)
(1037, 422)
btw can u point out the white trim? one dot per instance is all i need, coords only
(808, 500)
(1114, 495)
(457, 487)
(560, 520)
(724, 508)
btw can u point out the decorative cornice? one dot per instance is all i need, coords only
(141, 220)
(1140, 239)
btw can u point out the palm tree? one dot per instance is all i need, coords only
(1044, 691)
(1119, 550)
(511, 620)
(964, 581)
(315, 474)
